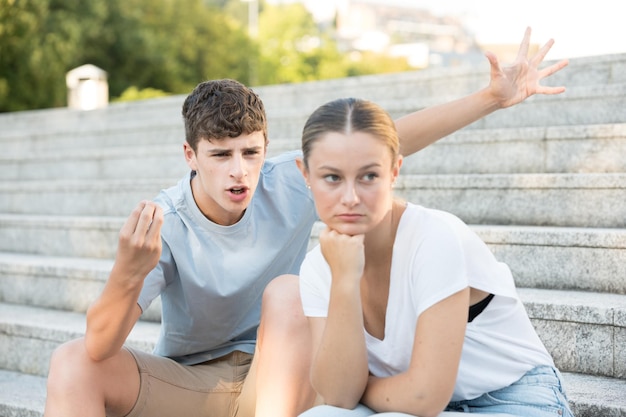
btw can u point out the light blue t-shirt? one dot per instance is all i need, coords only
(211, 277)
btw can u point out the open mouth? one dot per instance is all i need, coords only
(237, 190)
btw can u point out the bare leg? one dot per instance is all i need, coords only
(283, 385)
(78, 386)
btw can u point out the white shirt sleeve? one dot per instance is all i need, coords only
(315, 280)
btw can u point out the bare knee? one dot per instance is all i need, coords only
(76, 380)
(282, 316)
(281, 300)
(66, 363)
(64, 357)
(281, 311)
(71, 365)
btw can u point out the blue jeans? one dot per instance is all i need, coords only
(539, 393)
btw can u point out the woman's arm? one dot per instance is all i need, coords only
(339, 369)
(508, 86)
(427, 386)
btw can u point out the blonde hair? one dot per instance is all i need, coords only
(348, 115)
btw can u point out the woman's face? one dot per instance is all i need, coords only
(351, 178)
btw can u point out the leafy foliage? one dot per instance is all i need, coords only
(168, 45)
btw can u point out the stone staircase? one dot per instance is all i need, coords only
(543, 183)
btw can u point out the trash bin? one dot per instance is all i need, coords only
(87, 88)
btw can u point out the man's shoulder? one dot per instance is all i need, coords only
(172, 198)
(281, 171)
(281, 161)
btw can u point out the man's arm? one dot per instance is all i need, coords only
(508, 86)
(112, 316)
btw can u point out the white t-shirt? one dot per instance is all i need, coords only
(436, 255)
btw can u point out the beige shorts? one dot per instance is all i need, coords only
(222, 387)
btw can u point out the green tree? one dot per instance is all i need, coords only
(178, 44)
(294, 49)
(363, 63)
(168, 45)
(289, 42)
(37, 44)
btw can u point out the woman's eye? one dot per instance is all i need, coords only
(331, 178)
(370, 176)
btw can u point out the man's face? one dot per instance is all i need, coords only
(227, 174)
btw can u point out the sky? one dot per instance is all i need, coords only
(579, 28)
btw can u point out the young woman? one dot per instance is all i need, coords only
(409, 310)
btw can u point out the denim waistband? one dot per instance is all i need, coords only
(538, 393)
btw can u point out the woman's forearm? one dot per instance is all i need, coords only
(419, 129)
(404, 393)
(339, 373)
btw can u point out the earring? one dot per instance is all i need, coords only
(308, 186)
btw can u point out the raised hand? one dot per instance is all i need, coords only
(514, 83)
(139, 246)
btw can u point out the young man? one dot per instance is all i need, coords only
(234, 341)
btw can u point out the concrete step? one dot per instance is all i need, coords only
(567, 200)
(57, 125)
(562, 258)
(587, 105)
(78, 196)
(65, 236)
(592, 396)
(23, 395)
(120, 162)
(29, 335)
(583, 330)
(556, 149)
(552, 149)
(55, 282)
(78, 134)
(61, 283)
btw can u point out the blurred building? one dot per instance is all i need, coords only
(423, 38)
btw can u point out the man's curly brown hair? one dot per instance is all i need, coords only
(219, 109)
